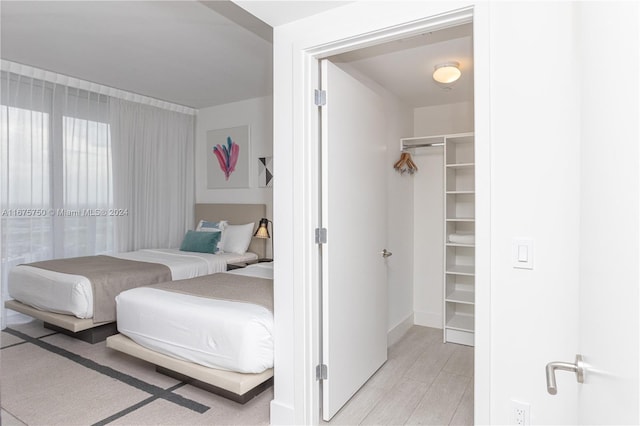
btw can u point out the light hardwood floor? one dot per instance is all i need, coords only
(424, 381)
(9, 420)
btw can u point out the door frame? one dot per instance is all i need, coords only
(310, 312)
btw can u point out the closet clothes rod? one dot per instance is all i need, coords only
(423, 145)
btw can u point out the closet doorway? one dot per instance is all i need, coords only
(415, 106)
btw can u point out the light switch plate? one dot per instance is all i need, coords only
(522, 253)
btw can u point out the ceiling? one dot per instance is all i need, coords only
(186, 52)
(279, 12)
(206, 53)
(405, 67)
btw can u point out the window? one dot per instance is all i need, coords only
(87, 187)
(57, 185)
(26, 185)
(59, 148)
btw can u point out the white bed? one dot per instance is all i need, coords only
(228, 335)
(73, 295)
(224, 346)
(65, 301)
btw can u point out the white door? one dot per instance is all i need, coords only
(608, 330)
(354, 323)
(609, 222)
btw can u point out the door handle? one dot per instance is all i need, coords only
(577, 368)
(385, 253)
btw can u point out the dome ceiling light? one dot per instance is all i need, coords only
(447, 73)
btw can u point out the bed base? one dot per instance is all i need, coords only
(90, 335)
(240, 399)
(83, 329)
(238, 387)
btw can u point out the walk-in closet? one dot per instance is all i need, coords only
(430, 182)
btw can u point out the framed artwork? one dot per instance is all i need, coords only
(228, 158)
(265, 172)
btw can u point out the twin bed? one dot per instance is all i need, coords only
(71, 293)
(214, 331)
(208, 326)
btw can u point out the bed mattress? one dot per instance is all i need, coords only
(220, 334)
(73, 295)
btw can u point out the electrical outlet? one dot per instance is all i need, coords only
(520, 412)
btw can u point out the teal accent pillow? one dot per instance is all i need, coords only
(201, 242)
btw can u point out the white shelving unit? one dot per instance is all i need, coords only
(459, 218)
(459, 257)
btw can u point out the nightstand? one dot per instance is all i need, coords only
(239, 265)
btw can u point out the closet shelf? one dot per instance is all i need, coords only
(461, 322)
(467, 270)
(461, 296)
(459, 216)
(460, 165)
(460, 245)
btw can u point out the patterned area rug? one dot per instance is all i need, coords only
(48, 378)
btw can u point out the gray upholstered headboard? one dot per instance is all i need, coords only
(236, 214)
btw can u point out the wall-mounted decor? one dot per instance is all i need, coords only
(228, 158)
(265, 172)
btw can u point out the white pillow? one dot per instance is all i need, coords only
(236, 238)
(207, 226)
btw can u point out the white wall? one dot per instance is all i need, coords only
(527, 127)
(258, 114)
(428, 231)
(429, 207)
(535, 147)
(400, 220)
(443, 119)
(533, 193)
(296, 391)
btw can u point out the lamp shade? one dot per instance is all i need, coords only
(447, 73)
(263, 229)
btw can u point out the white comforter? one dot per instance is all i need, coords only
(72, 294)
(219, 334)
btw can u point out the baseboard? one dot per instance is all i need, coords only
(427, 319)
(282, 414)
(396, 333)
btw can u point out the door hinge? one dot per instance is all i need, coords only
(320, 97)
(321, 235)
(321, 372)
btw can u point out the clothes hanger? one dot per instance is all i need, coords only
(405, 164)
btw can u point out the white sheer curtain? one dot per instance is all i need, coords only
(84, 212)
(25, 171)
(154, 160)
(84, 173)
